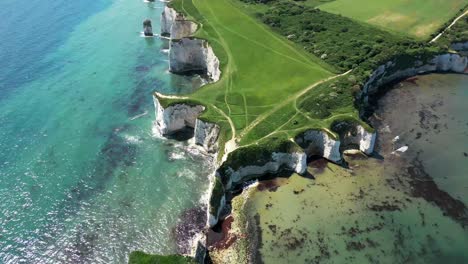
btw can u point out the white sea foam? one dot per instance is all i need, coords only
(142, 34)
(177, 155)
(187, 174)
(132, 139)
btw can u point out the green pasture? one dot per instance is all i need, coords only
(263, 74)
(417, 18)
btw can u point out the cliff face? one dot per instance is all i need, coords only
(295, 161)
(191, 54)
(460, 46)
(391, 71)
(167, 19)
(175, 117)
(188, 54)
(318, 143)
(176, 25)
(182, 27)
(206, 135)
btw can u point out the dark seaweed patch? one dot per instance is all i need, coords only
(268, 185)
(140, 99)
(191, 222)
(423, 186)
(356, 246)
(385, 206)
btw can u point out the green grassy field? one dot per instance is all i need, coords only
(418, 18)
(263, 74)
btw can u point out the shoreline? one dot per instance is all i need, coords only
(221, 179)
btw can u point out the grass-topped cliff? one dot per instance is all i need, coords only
(259, 70)
(287, 67)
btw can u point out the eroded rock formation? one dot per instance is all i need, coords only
(147, 28)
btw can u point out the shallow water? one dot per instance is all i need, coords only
(384, 209)
(434, 125)
(82, 177)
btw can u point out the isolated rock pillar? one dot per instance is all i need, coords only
(147, 29)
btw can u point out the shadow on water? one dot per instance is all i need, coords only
(191, 222)
(140, 98)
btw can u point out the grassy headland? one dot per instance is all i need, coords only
(300, 69)
(260, 70)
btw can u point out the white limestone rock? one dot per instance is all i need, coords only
(206, 135)
(167, 19)
(191, 54)
(214, 219)
(175, 117)
(362, 138)
(176, 25)
(366, 140)
(450, 62)
(296, 161)
(319, 143)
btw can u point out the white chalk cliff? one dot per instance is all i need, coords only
(206, 135)
(176, 25)
(167, 19)
(319, 143)
(296, 161)
(192, 54)
(390, 71)
(186, 53)
(175, 117)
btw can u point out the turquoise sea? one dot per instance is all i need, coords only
(82, 177)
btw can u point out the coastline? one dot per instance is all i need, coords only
(232, 168)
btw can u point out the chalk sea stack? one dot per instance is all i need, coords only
(147, 29)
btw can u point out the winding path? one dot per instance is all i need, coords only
(287, 101)
(449, 26)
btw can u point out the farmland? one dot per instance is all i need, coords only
(417, 18)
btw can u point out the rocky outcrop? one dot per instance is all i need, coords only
(365, 140)
(216, 208)
(319, 143)
(394, 71)
(175, 25)
(206, 135)
(188, 54)
(147, 28)
(167, 20)
(182, 28)
(176, 117)
(191, 54)
(354, 137)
